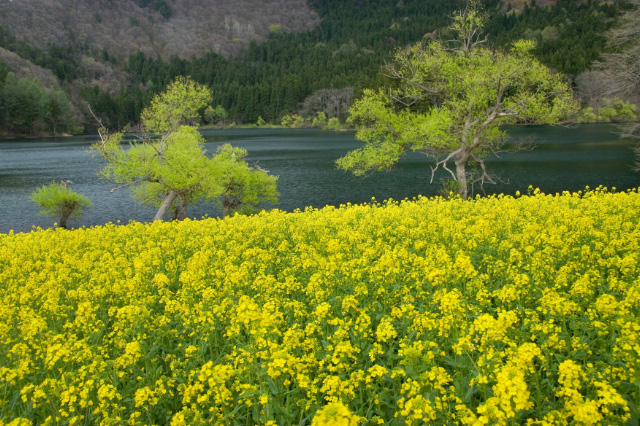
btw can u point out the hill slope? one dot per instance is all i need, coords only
(261, 59)
(184, 28)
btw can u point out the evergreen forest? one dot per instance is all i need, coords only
(283, 74)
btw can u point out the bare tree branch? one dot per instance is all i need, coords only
(443, 163)
(484, 176)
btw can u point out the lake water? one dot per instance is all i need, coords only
(562, 158)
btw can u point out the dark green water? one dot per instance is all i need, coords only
(561, 159)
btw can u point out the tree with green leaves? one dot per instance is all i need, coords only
(168, 167)
(245, 188)
(60, 117)
(27, 108)
(57, 200)
(447, 99)
(26, 105)
(320, 120)
(216, 115)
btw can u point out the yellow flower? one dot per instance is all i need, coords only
(335, 414)
(145, 397)
(385, 331)
(518, 299)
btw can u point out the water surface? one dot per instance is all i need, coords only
(562, 158)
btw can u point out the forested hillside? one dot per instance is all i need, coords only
(265, 59)
(118, 28)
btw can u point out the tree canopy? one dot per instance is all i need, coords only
(447, 99)
(178, 105)
(57, 200)
(277, 76)
(27, 108)
(169, 167)
(244, 188)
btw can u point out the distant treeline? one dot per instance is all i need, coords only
(273, 79)
(345, 51)
(570, 36)
(27, 108)
(160, 5)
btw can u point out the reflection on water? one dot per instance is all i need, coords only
(562, 158)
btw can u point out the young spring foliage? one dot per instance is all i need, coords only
(244, 188)
(448, 99)
(169, 167)
(178, 105)
(58, 201)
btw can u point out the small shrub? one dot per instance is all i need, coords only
(333, 124)
(57, 200)
(286, 121)
(320, 120)
(587, 116)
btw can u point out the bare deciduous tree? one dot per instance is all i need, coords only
(333, 102)
(591, 88)
(622, 67)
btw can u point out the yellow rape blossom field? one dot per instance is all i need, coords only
(493, 311)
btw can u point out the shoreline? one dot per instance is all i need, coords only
(38, 136)
(5, 138)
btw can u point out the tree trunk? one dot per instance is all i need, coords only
(461, 176)
(65, 214)
(226, 206)
(63, 220)
(182, 209)
(166, 205)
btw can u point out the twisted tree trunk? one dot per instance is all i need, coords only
(166, 205)
(182, 210)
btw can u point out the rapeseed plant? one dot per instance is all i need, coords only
(497, 310)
